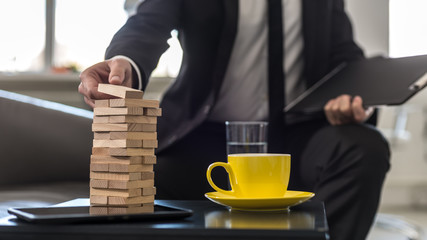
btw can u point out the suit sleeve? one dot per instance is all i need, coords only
(343, 46)
(144, 36)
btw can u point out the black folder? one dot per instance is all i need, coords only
(379, 81)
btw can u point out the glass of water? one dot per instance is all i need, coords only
(246, 137)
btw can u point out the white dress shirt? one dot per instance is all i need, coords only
(244, 92)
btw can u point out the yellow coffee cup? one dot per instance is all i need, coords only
(255, 175)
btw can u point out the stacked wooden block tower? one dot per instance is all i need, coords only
(125, 138)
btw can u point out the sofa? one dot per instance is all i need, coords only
(45, 150)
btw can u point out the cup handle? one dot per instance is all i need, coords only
(227, 168)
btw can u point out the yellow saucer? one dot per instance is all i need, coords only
(290, 199)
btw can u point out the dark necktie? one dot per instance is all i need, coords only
(276, 77)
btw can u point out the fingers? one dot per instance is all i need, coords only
(359, 113)
(114, 71)
(339, 110)
(344, 110)
(90, 78)
(120, 72)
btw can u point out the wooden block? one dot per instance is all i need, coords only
(155, 112)
(116, 176)
(131, 151)
(149, 143)
(98, 183)
(100, 151)
(98, 200)
(147, 175)
(98, 210)
(101, 135)
(150, 159)
(122, 160)
(99, 167)
(130, 168)
(133, 135)
(130, 200)
(118, 111)
(134, 103)
(121, 184)
(123, 127)
(102, 103)
(118, 143)
(120, 168)
(120, 91)
(134, 192)
(105, 210)
(148, 191)
(132, 119)
(101, 119)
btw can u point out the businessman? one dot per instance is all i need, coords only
(245, 60)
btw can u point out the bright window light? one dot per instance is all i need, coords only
(22, 24)
(408, 27)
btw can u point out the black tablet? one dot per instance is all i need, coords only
(77, 214)
(379, 81)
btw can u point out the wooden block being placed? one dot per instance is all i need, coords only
(102, 210)
(122, 160)
(116, 176)
(131, 151)
(133, 135)
(119, 143)
(117, 192)
(123, 127)
(120, 91)
(154, 112)
(102, 103)
(106, 111)
(120, 168)
(134, 103)
(132, 119)
(122, 184)
(101, 119)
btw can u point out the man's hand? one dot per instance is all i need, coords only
(114, 71)
(344, 110)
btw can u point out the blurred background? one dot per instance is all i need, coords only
(47, 43)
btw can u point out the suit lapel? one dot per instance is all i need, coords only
(316, 34)
(228, 36)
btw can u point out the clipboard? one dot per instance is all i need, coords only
(379, 81)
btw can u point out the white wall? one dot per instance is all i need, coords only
(370, 21)
(404, 126)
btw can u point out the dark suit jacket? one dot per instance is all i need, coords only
(207, 29)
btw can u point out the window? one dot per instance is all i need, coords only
(83, 30)
(22, 24)
(408, 35)
(78, 32)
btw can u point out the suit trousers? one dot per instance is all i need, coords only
(345, 167)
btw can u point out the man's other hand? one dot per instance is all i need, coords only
(345, 109)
